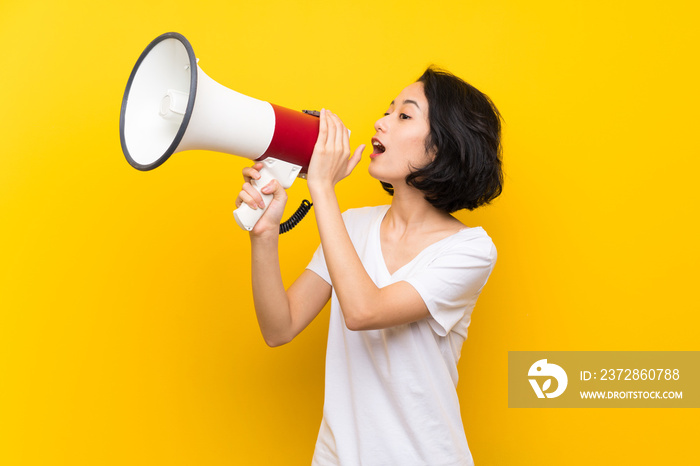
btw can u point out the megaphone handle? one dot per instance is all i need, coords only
(284, 172)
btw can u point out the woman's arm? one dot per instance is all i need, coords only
(365, 306)
(281, 314)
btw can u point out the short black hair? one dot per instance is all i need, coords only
(465, 135)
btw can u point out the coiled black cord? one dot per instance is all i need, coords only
(296, 217)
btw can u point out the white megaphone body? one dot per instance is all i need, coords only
(170, 105)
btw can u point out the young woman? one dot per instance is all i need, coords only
(402, 279)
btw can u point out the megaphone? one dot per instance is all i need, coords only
(170, 105)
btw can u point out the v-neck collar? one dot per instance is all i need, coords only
(377, 234)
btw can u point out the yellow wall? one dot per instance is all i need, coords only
(127, 334)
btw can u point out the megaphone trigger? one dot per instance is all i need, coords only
(284, 172)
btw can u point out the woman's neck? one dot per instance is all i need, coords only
(411, 212)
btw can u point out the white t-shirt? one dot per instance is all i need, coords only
(390, 395)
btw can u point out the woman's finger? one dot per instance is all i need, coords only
(254, 195)
(277, 191)
(245, 198)
(345, 138)
(252, 173)
(355, 159)
(322, 130)
(332, 130)
(341, 135)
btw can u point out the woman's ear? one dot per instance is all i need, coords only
(430, 153)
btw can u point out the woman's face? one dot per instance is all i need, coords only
(399, 143)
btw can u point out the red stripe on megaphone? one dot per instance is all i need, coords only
(294, 138)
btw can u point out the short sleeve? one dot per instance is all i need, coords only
(318, 265)
(451, 283)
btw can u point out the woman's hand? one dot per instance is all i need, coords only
(329, 162)
(269, 223)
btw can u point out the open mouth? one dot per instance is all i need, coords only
(378, 147)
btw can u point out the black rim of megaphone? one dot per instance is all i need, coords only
(190, 101)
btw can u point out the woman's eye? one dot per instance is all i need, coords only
(403, 116)
(386, 113)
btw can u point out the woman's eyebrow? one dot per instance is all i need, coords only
(408, 101)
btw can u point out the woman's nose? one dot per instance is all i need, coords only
(380, 124)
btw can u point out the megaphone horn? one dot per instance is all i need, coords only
(170, 105)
